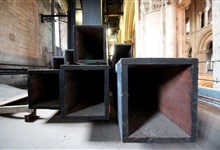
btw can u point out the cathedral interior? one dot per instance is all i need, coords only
(109, 74)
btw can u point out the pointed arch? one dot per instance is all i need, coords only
(188, 49)
(129, 18)
(207, 37)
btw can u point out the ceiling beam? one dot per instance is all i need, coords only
(113, 14)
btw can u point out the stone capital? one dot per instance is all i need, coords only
(184, 3)
(206, 9)
(151, 5)
(200, 13)
(181, 8)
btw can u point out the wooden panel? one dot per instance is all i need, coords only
(157, 99)
(90, 44)
(175, 95)
(84, 92)
(57, 62)
(43, 88)
(91, 12)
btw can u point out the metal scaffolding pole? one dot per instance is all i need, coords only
(53, 28)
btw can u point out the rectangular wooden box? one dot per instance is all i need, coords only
(84, 92)
(121, 51)
(43, 88)
(157, 99)
(57, 61)
(90, 44)
(69, 56)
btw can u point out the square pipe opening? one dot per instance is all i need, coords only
(155, 92)
(43, 89)
(69, 56)
(160, 105)
(121, 51)
(85, 92)
(57, 61)
(90, 44)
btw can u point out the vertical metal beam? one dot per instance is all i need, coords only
(101, 11)
(53, 28)
(105, 5)
(71, 23)
(91, 12)
(60, 52)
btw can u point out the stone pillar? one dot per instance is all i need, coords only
(163, 29)
(150, 5)
(141, 32)
(206, 10)
(216, 43)
(200, 19)
(181, 32)
(140, 28)
(171, 16)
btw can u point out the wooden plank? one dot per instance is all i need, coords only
(30, 116)
(15, 109)
(13, 99)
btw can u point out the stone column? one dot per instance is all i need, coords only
(206, 10)
(216, 43)
(163, 31)
(200, 19)
(181, 27)
(171, 25)
(181, 31)
(150, 5)
(141, 32)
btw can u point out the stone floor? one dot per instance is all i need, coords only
(49, 131)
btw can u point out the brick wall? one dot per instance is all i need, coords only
(45, 32)
(24, 40)
(18, 28)
(175, 99)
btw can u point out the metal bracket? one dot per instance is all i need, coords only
(49, 18)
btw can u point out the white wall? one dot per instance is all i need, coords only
(216, 43)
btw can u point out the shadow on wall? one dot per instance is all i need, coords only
(46, 56)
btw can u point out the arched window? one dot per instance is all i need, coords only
(209, 51)
(209, 57)
(202, 19)
(187, 26)
(190, 53)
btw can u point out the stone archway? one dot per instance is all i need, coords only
(188, 50)
(209, 56)
(206, 37)
(202, 46)
(209, 51)
(190, 53)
